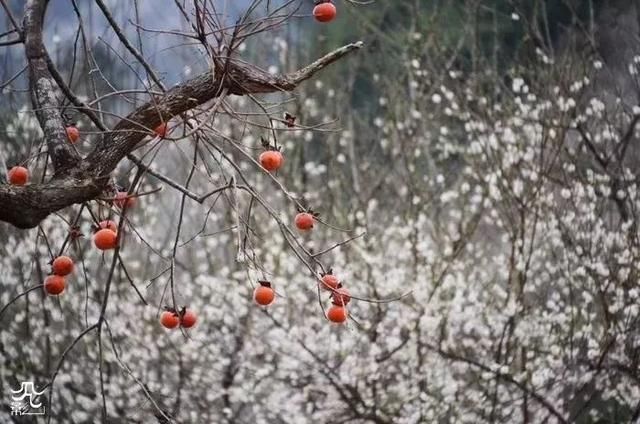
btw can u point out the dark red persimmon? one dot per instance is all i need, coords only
(73, 134)
(271, 160)
(337, 314)
(105, 239)
(169, 319)
(54, 284)
(18, 175)
(264, 294)
(325, 12)
(304, 221)
(62, 265)
(341, 297)
(161, 130)
(330, 282)
(189, 319)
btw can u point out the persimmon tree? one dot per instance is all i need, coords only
(74, 168)
(76, 179)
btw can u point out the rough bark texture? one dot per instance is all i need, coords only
(44, 92)
(78, 180)
(26, 206)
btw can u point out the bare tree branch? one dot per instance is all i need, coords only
(78, 180)
(44, 94)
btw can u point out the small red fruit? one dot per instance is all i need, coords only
(108, 224)
(337, 314)
(105, 239)
(62, 265)
(169, 319)
(341, 297)
(18, 175)
(54, 284)
(324, 12)
(304, 221)
(330, 282)
(271, 160)
(161, 130)
(73, 134)
(122, 198)
(264, 294)
(189, 319)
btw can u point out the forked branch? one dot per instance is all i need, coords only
(77, 179)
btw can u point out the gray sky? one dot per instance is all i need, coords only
(167, 53)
